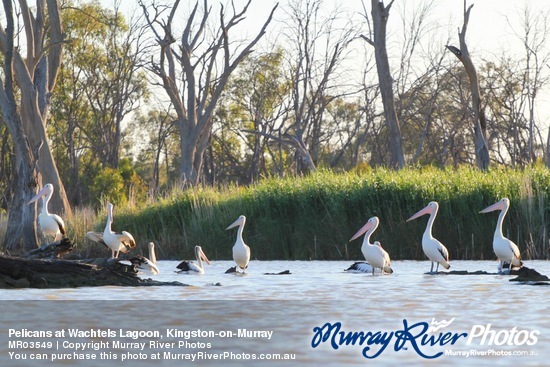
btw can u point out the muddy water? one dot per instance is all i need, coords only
(295, 317)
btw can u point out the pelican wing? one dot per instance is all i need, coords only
(127, 241)
(360, 267)
(96, 237)
(445, 254)
(146, 266)
(142, 265)
(443, 251)
(516, 258)
(188, 266)
(59, 222)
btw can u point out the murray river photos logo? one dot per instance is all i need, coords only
(420, 336)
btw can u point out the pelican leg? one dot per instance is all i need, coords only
(432, 268)
(437, 268)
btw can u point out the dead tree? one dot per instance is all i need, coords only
(478, 114)
(380, 15)
(21, 231)
(195, 72)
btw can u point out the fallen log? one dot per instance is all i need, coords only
(55, 273)
(54, 250)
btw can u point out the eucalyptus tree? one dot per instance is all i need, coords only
(377, 38)
(316, 45)
(532, 29)
(34, 67)
(479, 120)
(258, 100)
(101, 82)
(194, 67)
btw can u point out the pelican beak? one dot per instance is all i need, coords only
(203, 256)
(39, 195)
(426, 210)
(236, 223)
(491, 208)
(363, 230)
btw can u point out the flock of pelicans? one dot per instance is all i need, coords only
(377, 258)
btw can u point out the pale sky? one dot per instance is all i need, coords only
(489, 34)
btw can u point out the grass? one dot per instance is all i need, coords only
(314, 217)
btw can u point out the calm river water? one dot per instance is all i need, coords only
(488, 319)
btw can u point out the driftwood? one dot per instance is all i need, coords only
(43, 268)
(530, 276)
(38, 273)
(54, 250)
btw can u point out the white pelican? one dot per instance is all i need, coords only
(506, 250)
(361, 267)
(51, 224)
(148, 266)
(376, 256)
(189, 267)
(241, 252)
(434, 250)
(117, 242)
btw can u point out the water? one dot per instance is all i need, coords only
(291, 306)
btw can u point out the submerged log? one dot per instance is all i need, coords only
(40, 273)
(531, 276)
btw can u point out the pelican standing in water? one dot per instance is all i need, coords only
(374, 253)
(434, 250)
(506, 250)
(117, 242)
(241, 252)
(51, 224)
(189, 267)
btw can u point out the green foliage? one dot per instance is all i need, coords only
(108, 183)
(314, 217)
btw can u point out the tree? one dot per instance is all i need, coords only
(478, 113)
(36, 74)
(259, 92)
(533, 34)
(380, 15)
(100, 83)
(195, 72)
(21, 232)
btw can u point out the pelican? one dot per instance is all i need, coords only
(506, 250)
(117, 242)
(360, 267)
(148, 266)
(51, 224)
(376, 256)
(189, 267)
(434, 250)
(241, 252)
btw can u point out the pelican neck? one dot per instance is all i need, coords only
(498, 229)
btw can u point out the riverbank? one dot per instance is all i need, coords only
(314, 217)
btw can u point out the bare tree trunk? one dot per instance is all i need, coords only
(21, 231)
(380, 15)
(480, 123)
(203, 76)
(36, 74)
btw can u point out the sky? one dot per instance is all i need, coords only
(489, 33)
